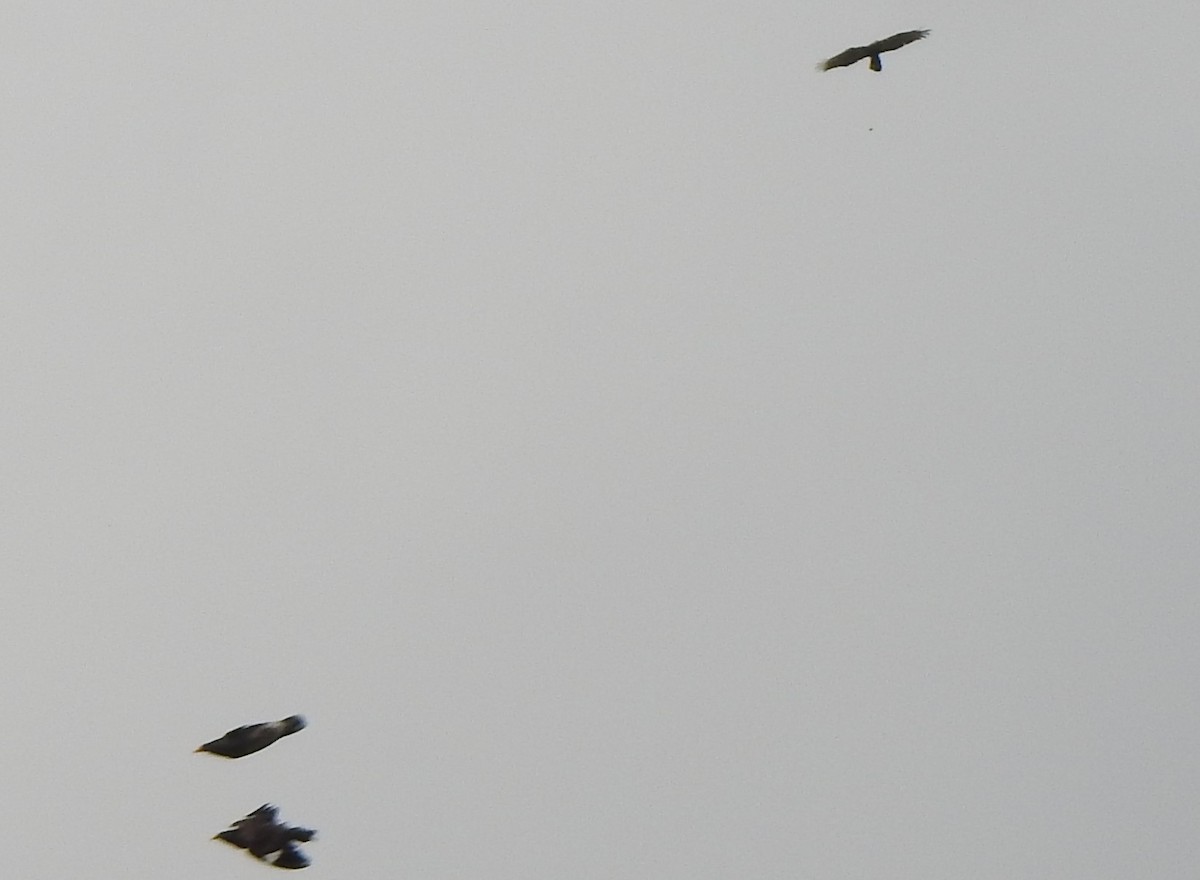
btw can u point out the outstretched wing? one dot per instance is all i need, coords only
(265, 814)
(845, 59)
(895, 41)
(249, 832)
(290, 857)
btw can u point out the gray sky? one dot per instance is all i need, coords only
(640, 456)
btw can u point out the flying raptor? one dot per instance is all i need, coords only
(247, 740)
(873, 51)
(267, 839)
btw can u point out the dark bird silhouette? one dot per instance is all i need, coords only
(267, 839)
(252, 738)
(873, 51)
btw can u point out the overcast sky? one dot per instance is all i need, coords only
(639, 455)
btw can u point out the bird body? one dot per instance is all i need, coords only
(267, 839)
(251, 738)
(873, 51)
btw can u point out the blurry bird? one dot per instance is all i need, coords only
(267, 839)
(247, 740)
(858, 53)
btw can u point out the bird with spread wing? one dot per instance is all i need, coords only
(268, 839)
(873, 51)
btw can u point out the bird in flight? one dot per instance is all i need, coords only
(247, 740)
(267, 839)
(873, 51)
